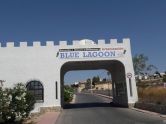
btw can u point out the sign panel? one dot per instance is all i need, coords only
(82, 53)
(129, 75)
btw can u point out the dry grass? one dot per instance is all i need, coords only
(155, 95)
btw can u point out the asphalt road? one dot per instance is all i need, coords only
(91, 109)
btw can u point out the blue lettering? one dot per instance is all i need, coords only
(106, 54)
(66, 55)
(84, 54)
(71, 55)
(76, 54)
(112, 53)
(62, 55)
(94, 54)
(87, 54)
(100, 54)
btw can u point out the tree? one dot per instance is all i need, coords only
(88, 83)
(95, 79)
(104, 80)
(151, 68)
(158, 74)
(140, 64)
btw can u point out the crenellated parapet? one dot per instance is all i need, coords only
(75, 43)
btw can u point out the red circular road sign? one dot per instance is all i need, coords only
(129, 75)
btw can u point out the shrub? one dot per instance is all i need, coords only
(15, 103)
(164, 78)
(68, 93)
(6, 110)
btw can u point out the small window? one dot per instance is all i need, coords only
(36, 88)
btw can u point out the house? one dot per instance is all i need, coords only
(81, 86)
(103, 86)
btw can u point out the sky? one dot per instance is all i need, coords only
(143, 21)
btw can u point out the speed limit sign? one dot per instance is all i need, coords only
(129, 75)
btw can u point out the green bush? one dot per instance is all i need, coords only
(68, 93)
(6, 110)
(164, 78)
(15, 103)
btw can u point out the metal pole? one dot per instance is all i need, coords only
(91, 85)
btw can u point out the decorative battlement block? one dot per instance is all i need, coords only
(76, 42)
(63, 43)
(113, 41)
(49, 43)
(101, 42)
(23, 44)
(36, 44)
(126, 40)
(10, 44)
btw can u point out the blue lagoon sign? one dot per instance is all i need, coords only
(90, 53)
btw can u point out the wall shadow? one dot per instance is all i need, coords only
(92, 105)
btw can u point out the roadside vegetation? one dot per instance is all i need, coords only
(151, 91)
(15, 104)
(68, 93)
(155, 95)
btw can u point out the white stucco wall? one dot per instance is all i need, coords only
(25, 63)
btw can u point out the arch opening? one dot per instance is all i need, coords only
(116, 69)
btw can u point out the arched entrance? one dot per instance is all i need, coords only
(115, 67)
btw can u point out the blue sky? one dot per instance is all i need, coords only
(143, 21)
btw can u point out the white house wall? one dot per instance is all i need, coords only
(25, 63)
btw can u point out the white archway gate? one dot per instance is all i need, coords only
(49, 63)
